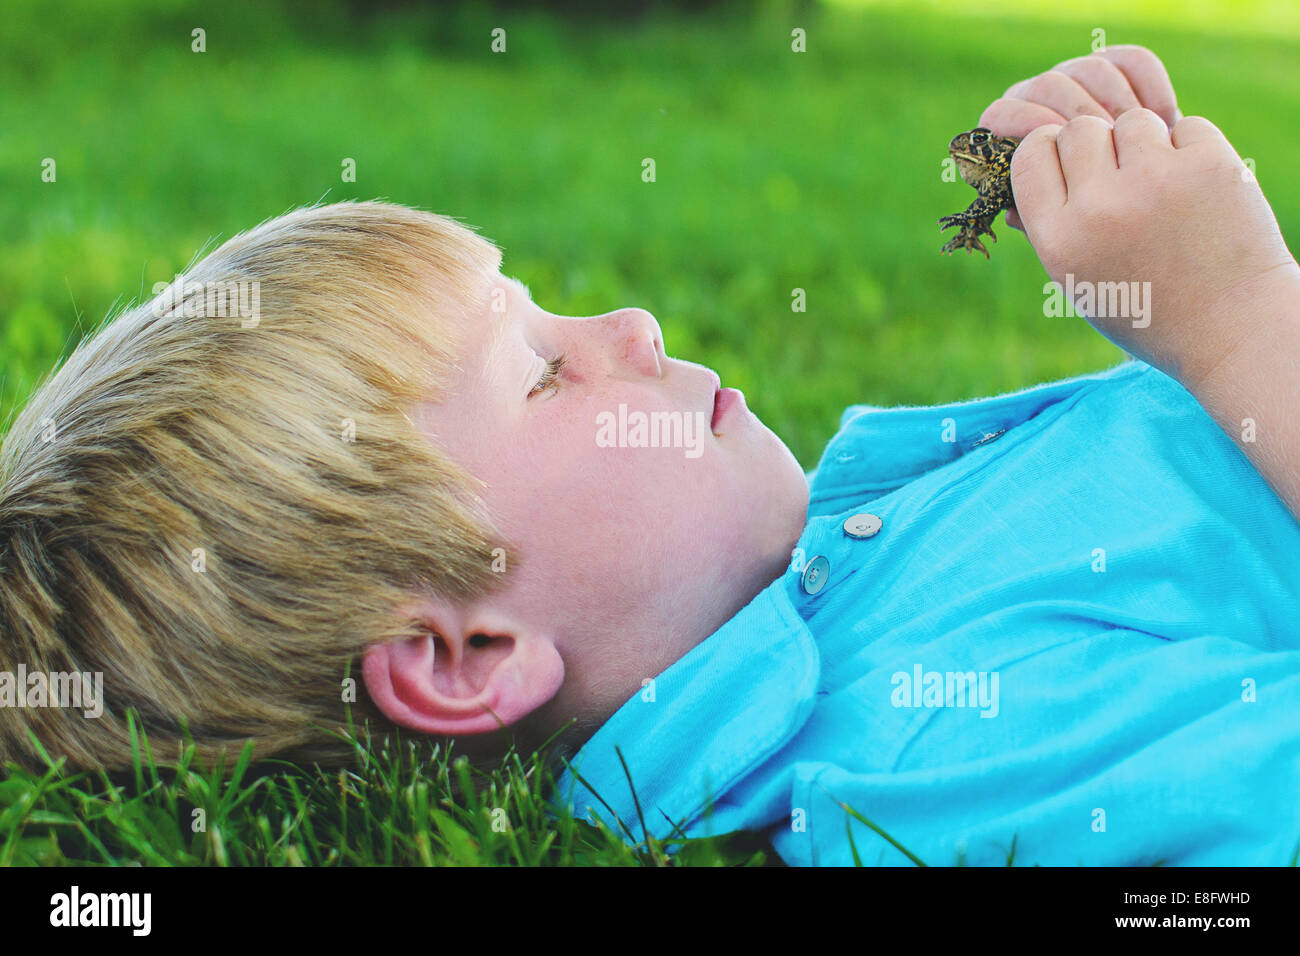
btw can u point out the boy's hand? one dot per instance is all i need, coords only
(1121, 188)
(1104, 85)
(1134, 203)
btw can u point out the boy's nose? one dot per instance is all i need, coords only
(638, 340)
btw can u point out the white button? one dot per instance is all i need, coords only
(862, 525)
(815, 575)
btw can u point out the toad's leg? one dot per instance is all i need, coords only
(974, 222)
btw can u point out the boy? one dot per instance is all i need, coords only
(397, 461)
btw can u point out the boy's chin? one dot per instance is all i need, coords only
(789, 474)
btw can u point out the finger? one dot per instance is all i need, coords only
(1140, 133)
(1014, 221)
(1036, 177)
(1195, 129)
(1086, 150)
(1011, 117)
(1059, 92)
(1148, 77)
(1104, 80)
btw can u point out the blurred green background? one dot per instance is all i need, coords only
(775, 170)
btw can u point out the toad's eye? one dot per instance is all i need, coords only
(979, 138)
(553, 368)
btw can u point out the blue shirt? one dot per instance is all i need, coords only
(1067, 617)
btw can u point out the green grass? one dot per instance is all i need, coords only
(401, 802)
(775, 171)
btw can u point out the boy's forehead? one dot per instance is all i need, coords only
(497, 296)
(523, 289)
(489, 356)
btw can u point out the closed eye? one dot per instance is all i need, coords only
(549, 376)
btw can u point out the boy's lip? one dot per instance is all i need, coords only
(723, 403)
(717, 390)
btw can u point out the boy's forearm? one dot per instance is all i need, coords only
(1253, 391)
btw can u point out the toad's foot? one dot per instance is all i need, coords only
(968, 237)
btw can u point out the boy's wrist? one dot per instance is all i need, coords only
(1252, 389)
(1257, 314)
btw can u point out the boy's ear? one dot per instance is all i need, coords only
(473, 673)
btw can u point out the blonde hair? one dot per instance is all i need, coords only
(220, 514)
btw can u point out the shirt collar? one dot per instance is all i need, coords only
(878, 449)
(701, 725)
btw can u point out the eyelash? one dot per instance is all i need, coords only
(548, 379)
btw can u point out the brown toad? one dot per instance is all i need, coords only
(984, 161)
